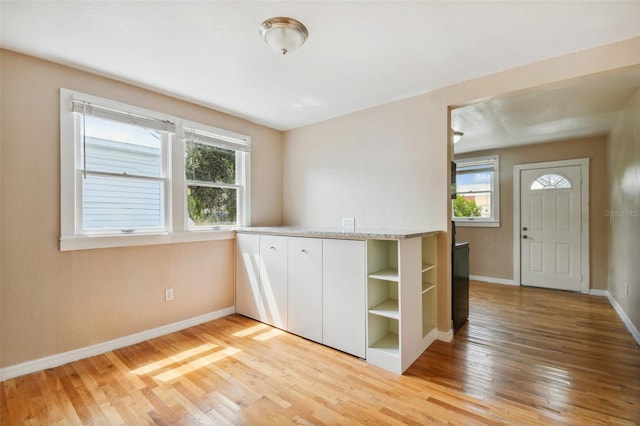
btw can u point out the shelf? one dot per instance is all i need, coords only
(388, 274)
(388, 344)
(427, 287)
(388, 309)
(427, 267)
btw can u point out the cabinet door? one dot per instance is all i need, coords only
(343, 296)
(248, 275)
(304, 315)
(273, 280)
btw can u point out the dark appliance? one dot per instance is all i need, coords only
(459, 283)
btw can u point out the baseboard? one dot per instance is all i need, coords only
(492, 280)
(445, 336)
(625, 319)
(598, 292)
(100, 348)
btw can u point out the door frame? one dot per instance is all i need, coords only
(585, 283)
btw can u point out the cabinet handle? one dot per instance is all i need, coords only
(273, 248)
(303, 251)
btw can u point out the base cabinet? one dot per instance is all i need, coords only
(304, 307)
(372, 298)
(343, 296)
(248, 275)
(273, 280)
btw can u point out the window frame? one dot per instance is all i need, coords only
(175, 229)
(242, 145)
(494, 220)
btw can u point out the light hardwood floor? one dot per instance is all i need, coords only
(527, 356)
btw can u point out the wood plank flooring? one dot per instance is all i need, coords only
(526, 356)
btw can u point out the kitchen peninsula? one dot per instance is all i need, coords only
(369, 293)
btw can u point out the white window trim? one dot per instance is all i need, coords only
(243, 173)
(175, 200)
(494, 221)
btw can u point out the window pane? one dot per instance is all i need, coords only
(206, 163)
(474, 182)
(121, 148)
(472, 205)
(121, 203)
(550, 181)
(211, 206)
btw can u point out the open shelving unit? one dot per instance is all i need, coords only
(428, 284)
(383, 281)
(401, 309)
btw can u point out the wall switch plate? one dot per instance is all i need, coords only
(349, 224)
(168, 295)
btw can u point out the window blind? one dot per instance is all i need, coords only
(198, 136)
(476, 166)
(84, 107)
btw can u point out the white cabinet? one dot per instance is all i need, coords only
(400, 300)
(273, 280)
(304, 304)
(248, 275)
(372, 298)
(343, 296)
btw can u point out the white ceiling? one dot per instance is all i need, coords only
(584, 107)
(359, 53)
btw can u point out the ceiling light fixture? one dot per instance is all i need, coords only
(457, 136)
(284, 35)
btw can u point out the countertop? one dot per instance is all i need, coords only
(336, 233)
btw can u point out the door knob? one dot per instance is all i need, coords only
(524, 228)
(524, 237)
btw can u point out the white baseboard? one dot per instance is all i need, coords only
(492, 280)
(598, 292)
(100, 348)
(445, 336)
(625, 319)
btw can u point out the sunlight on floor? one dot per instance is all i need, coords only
(251, 330)
(199, 362)
(269, 334)
(154, 366)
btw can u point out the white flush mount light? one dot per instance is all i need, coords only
(457, 136)
(284, 35)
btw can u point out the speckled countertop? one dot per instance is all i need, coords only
(336, 233)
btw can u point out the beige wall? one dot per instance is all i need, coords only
(387, 165)
(53, 301)
(492, 248)
(624, 205)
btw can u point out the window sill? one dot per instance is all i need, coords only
(129, 240)
(477, 223)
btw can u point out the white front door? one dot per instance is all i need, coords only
(551, 227)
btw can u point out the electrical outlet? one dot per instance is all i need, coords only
(349, 224)
(626, 288)
(168, 295)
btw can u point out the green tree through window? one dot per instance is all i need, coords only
(206, 167)
(463, 207)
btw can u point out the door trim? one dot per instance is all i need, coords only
(585, 283)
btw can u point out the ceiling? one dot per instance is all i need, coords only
(583, 107)
(359, 53)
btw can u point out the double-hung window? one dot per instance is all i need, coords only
(216, 177)
(477, 201)
(121, 170)
(131, 176)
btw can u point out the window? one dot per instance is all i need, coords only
(214, 171)
(131, 176)
(550, 181)
(477, 200)
(121, 170)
